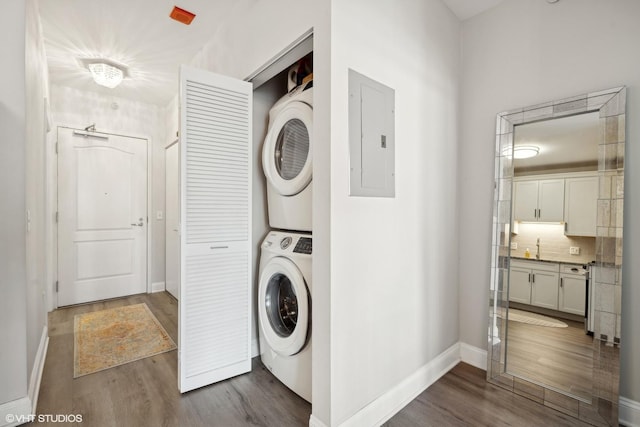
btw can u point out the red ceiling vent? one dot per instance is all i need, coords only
(182, 15)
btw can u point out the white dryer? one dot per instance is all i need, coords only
(287, 160)
(284, 309)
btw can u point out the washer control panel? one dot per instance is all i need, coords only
(304, 246)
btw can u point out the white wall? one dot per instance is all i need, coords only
(36, 236)
(13, 274)
(78, 109)
(394, 261)
(525, 52)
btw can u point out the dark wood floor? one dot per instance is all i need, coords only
(145, 393)
(561, 358)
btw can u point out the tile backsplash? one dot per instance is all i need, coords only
(554, 245)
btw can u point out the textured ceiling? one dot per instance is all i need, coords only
(136, 33)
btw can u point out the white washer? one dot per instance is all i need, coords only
(287, 160)
(284, 309)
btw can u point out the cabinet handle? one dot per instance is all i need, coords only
(529, 277)
(533, 278)
(561, 282)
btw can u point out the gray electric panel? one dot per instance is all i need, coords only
(371, 137)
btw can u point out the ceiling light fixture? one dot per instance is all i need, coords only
(525, 151)
(105, 72)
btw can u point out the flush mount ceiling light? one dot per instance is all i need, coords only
(525, 151)
(105, 72)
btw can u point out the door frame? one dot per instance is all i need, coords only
(51, 302)
(164, 153)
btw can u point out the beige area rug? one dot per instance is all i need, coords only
(533, 318)
(113, 337)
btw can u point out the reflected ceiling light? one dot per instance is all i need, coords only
(525, 151)
(105, 72)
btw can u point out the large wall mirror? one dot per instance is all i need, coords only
(554, 327)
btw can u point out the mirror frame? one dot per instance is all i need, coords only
(602, 409)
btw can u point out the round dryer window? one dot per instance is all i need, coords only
(292, 149)
(284, 306)
(288, 149)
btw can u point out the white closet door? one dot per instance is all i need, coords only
(215, 236)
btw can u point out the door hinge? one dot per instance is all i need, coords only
(56, 286)
(57, 216)
(56, 147)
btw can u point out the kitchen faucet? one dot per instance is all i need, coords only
(538, 248)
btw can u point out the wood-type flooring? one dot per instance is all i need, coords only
(561, 358)
(144, 393)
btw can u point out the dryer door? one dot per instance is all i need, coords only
(284, 306)
(286, 156)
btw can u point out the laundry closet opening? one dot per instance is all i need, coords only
(281, 217)
(245, 182)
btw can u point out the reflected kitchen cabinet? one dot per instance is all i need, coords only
(534, 283)
(539, 200)
(581, 206)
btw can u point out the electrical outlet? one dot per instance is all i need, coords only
(574, 250)
(514, 246)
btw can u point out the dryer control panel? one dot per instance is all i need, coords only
(304, 246)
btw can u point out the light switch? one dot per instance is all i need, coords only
(159, 215)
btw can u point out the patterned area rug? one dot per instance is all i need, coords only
(108, 338)
(533, 319)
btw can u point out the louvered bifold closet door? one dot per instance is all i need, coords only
(215, 228)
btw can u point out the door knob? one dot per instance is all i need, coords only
(140, 224)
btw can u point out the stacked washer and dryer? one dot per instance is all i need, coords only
(284, 289)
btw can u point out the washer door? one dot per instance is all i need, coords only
(286, 156)
(283, 306)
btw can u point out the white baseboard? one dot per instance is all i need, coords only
(157, 287)
(16, 412)
(474, 356)
(21, 411)
(38, 368)
(314, 422)
(387, 405)
(629, 412)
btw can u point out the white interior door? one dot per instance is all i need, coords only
(172, 220)
(214, 337)
(102, 216)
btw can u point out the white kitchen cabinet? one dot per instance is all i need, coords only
(534, 283)
(544, 289)
(581, 206)
(520, 285)
(573, 291)
(539, 200)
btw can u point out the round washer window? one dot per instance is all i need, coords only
(292, 149)
(282, 305)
